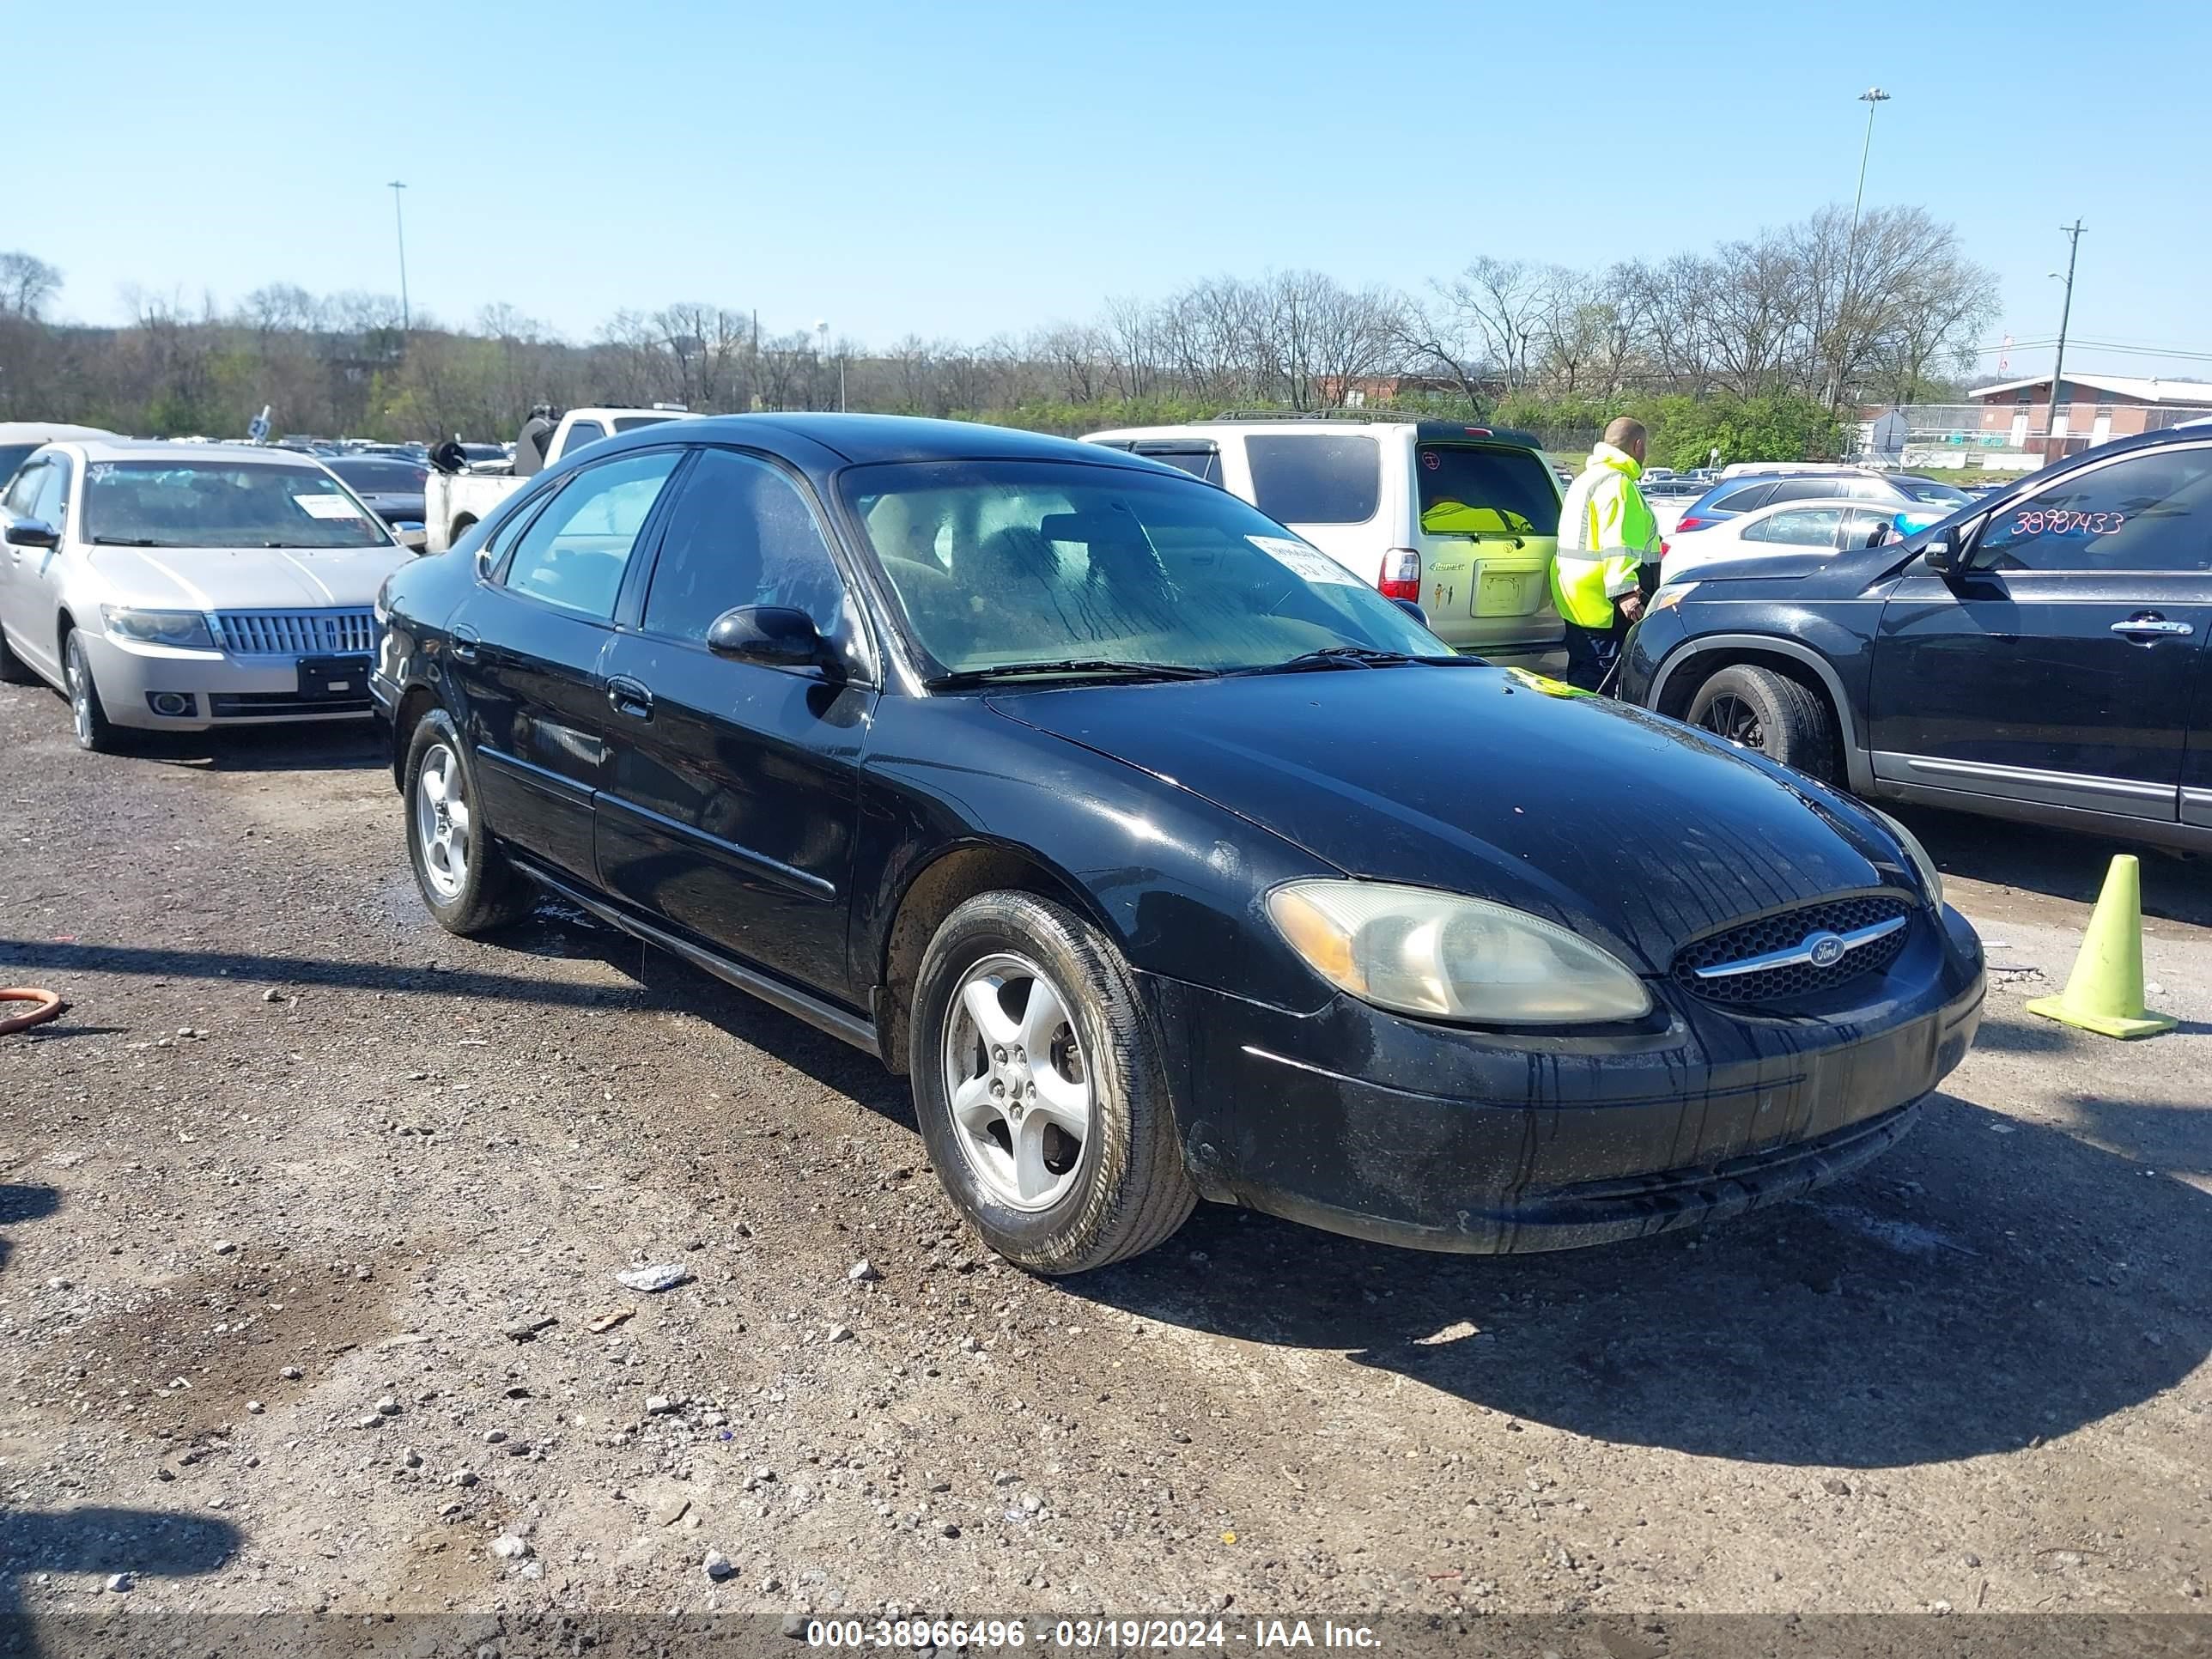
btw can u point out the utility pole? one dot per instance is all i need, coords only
(1873, 98)
(400, 224)
(2073, 234)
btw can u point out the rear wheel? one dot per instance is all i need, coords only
(1758, 709)
(95, 730)
(464, 877)
(1038, 1090)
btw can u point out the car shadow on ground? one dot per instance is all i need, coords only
(2062, 864)
(356, 746)
(21, 1202)
(144, 1543)
(1989, 1284)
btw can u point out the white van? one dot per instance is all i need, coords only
(1462, 519)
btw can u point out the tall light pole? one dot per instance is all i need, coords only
(1873, 98)
(400, 224)
(822, 329)
(2072, 232)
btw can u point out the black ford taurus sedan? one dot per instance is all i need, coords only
(1167, 858)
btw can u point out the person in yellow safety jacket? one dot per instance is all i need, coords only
(1607, 538)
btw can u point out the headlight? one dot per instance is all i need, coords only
(1930, 876)
(1669, 595)
(187, 629)
(1422, 952)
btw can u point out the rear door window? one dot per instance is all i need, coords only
(1316, 477)
(574, 552)
(1748, 499)
(584, 432)
(1802, 526)
(1477, 489)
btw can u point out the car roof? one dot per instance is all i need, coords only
(46, 432)
(863, 438)
(153, 449)
(1423, 431)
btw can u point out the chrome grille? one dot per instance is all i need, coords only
(296, 633)
(1784, 933)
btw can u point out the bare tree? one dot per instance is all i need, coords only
(27, 283)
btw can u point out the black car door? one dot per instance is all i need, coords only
(525, 649)
(732, 797)
(2058, 664)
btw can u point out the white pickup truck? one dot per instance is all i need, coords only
(451, 502)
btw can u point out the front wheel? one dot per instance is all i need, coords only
(463, 877)
(95, 730)
(1758, 709)
(1038, 1091)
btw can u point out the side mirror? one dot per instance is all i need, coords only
(1941, 554)
(1413, 610)
(773, 636)
(32, 532)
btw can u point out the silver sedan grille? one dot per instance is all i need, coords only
(295, 633)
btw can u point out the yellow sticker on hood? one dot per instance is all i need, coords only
(1546, 684)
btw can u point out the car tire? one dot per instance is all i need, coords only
(465, 878)
(1758, 709)
(96, 733)
(1041, 1198)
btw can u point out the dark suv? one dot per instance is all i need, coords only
(2039, 654)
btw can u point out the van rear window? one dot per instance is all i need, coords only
(1470, 490)
(1316, 477)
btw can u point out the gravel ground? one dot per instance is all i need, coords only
(310, 1217)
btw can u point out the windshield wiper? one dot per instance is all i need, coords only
(1097, 666)
(1335, 656)
(125, 541)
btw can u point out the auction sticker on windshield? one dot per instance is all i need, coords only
(327, 506)
(1305, 560)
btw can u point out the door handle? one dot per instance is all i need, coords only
(627, 696)
(465, 640)
(2149, 623)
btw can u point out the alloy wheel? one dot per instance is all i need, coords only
(441, 821)
(1734, 718)
(1022, 1095)
(79, 694)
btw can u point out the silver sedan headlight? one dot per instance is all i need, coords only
(187, 630)
(1417, 952)
(1930, 876)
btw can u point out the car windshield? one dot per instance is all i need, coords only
(381, 477)
(1002, 562)
(208, 504)
(1928, 491)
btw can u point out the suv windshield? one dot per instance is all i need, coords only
(997, 562)
(1468, 490)
(208, 504)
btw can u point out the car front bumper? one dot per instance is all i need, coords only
(1361, 1122)
(222, 689)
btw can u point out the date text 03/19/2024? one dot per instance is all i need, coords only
(1086, 1634)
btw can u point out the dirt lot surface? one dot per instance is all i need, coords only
(310, 1217)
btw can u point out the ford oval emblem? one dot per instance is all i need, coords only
(1825, 949)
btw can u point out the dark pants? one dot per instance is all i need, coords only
(1592, 652)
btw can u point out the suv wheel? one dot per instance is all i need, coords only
(464, 877)
(1758, 709)
(1038, 1092)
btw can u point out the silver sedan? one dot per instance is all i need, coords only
(182, 586)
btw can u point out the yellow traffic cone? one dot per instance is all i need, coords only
(2104, 992)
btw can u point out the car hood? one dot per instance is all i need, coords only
(1612, 821)
(244, 579)
(1731, 560)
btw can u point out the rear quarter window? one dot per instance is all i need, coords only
(1470, 489)
(1316, 477)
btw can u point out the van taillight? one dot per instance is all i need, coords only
(1401, 574)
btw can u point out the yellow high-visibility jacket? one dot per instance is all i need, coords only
(1606, 534)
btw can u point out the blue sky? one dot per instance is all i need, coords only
(960, 167)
